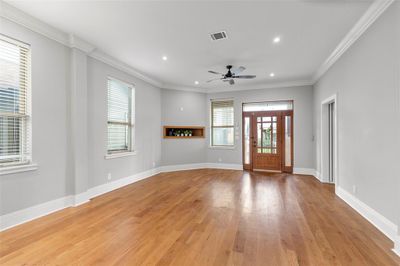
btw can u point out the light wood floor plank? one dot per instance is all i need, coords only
(204, 217)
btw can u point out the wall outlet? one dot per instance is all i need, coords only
(219, 160)
(109, 176)
(354, 189)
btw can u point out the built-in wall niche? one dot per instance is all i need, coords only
(175, 132)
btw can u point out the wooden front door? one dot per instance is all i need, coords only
(267, 141)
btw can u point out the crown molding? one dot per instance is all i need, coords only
(370, 16)
(275, 85)
(109, 60)
(77, 43)
(17, 16)
(184, 88)
(283, 84)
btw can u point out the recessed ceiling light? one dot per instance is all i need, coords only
(277, 39)
(164, 58)
(196, 82)
(272, 75)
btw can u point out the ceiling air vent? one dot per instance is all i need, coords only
(218, 35)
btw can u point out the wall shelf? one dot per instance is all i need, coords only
(175, 132)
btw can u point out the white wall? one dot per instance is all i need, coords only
(50, 81)
(303, 119)
(194, 113)
(147, 126)
(56, 144)
(366, 79)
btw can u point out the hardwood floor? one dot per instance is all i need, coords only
(204, 217)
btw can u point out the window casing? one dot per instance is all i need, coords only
(222, 123)
(15, 112)
(120, 123)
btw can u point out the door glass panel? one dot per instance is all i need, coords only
(247, 140)
(274, 134)
(266, 140)
(267, 134)
(288, 141)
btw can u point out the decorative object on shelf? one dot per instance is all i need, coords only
(183, 131)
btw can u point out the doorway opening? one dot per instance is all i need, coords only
(268, 136)
(329, 140)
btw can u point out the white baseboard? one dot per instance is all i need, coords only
(317, 175)
(304, 171)
(25, 215)
(107, 187)
(397, 246)
(229, 166)
(378, 220)
(182, 167)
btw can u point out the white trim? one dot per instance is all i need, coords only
(107, 187)
(373, 12)
(330, 99)
(233, 147)
(304, 171)
(182, 167)
(111, 61)
(18, 168)
(80, 199)
(77, 43)
(228, 166)
(396, 248)
(25, 215)
(379, 221)
(15, 15)
(317, 175)
(119, 155)
(261, 86)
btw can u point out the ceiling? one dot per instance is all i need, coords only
(141, 33)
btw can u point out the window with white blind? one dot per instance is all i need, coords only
(120, 117)
(15, 147)
(222, 123)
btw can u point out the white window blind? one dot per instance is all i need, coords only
(120, 116)
(14, 102)
(222, 123)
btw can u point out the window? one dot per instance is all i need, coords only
(268, 106)
(14, 102)
(222, 123)
(120, 117)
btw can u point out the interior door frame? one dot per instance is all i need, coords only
(324, 105)
(251, 115)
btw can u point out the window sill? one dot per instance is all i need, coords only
(119, 155)
(222, 147)
(18, 169)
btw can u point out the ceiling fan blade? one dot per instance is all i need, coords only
(212, 80)
(214, 72)
(244, 77)
(238, 70)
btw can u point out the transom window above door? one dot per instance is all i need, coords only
(268, 106)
